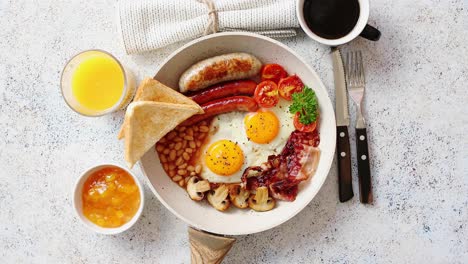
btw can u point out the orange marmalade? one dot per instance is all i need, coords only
(110, 197)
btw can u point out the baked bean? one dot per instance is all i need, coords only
(176, 149)
(172, 173)
(177, 178)
(178, 145)
(188, 137)
(190, 131)
(204, 129)
(171, 135)
(172, 155)
(192, 144)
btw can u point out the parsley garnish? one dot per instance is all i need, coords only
(306, 103)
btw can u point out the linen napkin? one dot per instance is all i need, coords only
(151, 24)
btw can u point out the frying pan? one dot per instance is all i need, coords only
(200, 215)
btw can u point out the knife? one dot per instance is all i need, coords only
(342, 123)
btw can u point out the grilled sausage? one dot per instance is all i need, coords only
(227, 67)
(221, 106)
(244, 87)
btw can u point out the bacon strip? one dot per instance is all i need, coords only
(282, 173)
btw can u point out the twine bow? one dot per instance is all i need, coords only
(212, 26)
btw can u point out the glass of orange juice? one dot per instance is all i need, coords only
(95, 83)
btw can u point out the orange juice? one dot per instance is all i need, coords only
(98, 82)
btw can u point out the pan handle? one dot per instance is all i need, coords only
(207, 248)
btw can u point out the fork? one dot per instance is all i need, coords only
(355, 79)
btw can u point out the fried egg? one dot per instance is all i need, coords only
(238, 140)
(224, 157)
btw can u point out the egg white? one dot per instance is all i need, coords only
(231, 126)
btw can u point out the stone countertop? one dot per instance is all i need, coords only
(417, 77)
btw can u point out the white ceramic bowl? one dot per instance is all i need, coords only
(78, 203)
(237, 222)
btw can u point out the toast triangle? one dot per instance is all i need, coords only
(147, 122)
(153, 90)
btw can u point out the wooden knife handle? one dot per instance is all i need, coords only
(365, 186)
(344, 164)
(207, 248)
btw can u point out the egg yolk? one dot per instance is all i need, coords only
(261, 127)
(224, 157)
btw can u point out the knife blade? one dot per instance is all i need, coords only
(341, 95)
(342, 122)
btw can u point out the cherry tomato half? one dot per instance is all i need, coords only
(266, 94)
(273, 72)
(288, 86)
(301, 127)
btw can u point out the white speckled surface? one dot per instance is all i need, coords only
(416, 107)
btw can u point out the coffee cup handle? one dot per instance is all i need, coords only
(370, 33)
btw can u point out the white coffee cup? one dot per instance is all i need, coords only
(360, 29)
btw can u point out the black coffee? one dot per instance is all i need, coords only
(331, 19)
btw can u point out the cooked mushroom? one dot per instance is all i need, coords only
(196, 188)
(260, 201)
(239, 196)
(218, 198)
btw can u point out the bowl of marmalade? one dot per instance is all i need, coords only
(108, 199)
